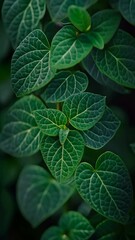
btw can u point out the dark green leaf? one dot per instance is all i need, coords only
(127, 9)
(53, 233)
(20, 135)
(84, 110)
(133, 147)
(31, 64)
(107, 188)
(64, 85)
(63, 159)
(39, 195)
(21, 17)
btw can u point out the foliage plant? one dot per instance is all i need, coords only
(60, 47)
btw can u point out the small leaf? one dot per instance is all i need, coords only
(96, 39)
(63, 134)
(127, 9)
(84, 110)
(21, 17)
(31, 64)
(64, 85)
(79, 17)
(20, 135)
(102, 132)
(105, 23)
(69, 47)
(62, 159)
(50, 121)
(107, 188)
(39, 195)
(117, 61)
(53, 233)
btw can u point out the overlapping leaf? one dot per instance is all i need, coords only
(20, 135)
(31, 64)
(50, 121)
(63, 133)
(21, 17)
(69, 47)
(64, 85)
(107, 188)
(84, 110)
(39, 195)
(127, 9)
(63, 159)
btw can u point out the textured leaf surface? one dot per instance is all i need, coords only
(63, 133)
(117, 61)
(64, 85)
(68, 48)
(39, 195)
(105, 23)
(21, 17)
(84, 110)
(107, 188)
(62, 159)
(20, 135)
(50, 121)
(127, 9)
(31, 64)
(102, 132)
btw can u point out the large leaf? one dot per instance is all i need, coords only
(117, 61)
(105, 23)
(50, 121)
(63, 159)
(127, 9)
(102, 132)
(21, 17)
(107, 188)
(69, 47)
(84, 110)
(64, 85)
(58, 8)
(20, 135)
(31, 64)
(39, 195)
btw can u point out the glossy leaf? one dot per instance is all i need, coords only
(117, 61)
(69, 47)
(63, 159)
(105, 23)
(64, 85)
(127, 9)
(50, 121)
(63, 134)
(21, 17)
(20, 135)
(39, 195)
(84, 110)
(31, 64)
(107, 188)
(102, 132)
(80, 18)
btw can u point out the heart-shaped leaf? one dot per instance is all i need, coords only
(21, 135)
(39, 195)
(63, 159)
(31, 64)
(84, 110)
(127, 9)
(107, 188)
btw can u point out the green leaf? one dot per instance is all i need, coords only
(127, 9)
(50, 121)
(84, 110)
(107, 188)
(20, 135)
(58, 9)
(132, 145)
(79, 17)
(114, 3)
(102, 132)
(96, 39)
(64, 85)
(21, 17)
(39, 195)
(31, 64)
(117, 61)
(63, 159)
(105, 23)
(53, 233)
(69, 47)
(63, 134)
